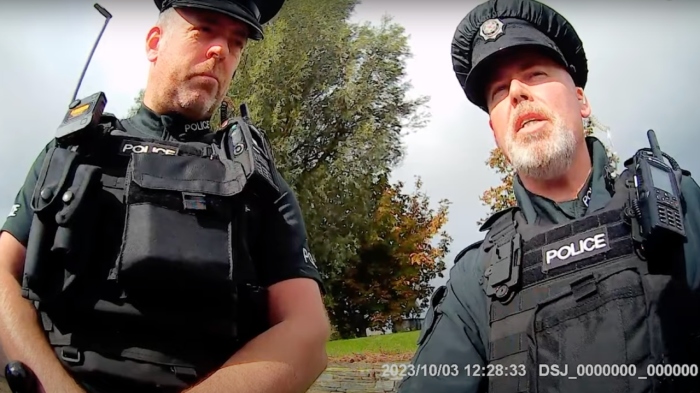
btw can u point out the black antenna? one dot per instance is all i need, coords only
(244, 111)
(654, 144)
(107, 16)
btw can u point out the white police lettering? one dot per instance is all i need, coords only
(587, 198)
(143, 149)
(574, 249)
(198, 126)
(309, 258)
(14, 210)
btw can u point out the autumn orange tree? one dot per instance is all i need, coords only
(401, 251)
(501, 197)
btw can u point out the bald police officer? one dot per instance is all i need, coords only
(557, 297)
(157, 259)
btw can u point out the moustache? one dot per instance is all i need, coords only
(527, 107)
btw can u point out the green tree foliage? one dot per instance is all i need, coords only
(332, 98)
(389, 277)
(137, 102)
(501, 197)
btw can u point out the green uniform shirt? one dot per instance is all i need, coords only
(456, 330)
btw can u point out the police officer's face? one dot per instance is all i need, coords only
(194, 56)
(535, 113)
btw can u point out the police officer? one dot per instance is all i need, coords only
(559, 296)
(154, 262)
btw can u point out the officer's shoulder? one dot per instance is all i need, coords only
(500, 216)
(468, 255)
(465, 255)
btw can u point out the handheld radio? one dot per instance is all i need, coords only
(248, 146)
(657, 207)
(84, 114)
(659, 194)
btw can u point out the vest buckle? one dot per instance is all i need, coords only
(71, 355)
(503, 272)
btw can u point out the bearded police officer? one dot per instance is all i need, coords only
(566, 293)
(159, 255)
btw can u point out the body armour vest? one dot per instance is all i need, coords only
(572, 308)
(138, 261)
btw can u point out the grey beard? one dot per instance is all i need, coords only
(543, 159)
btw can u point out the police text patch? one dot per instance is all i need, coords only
(14, 210)
(575, 248)
(309, 258)
(141, 147)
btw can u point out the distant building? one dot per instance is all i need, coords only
(410, 324)
(406, 325)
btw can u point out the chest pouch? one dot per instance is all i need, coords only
(177, 240)
(62, 226)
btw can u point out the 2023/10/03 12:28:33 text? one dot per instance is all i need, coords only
(390, 370)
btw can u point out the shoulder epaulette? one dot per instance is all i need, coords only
(470, 247)
(495, 217)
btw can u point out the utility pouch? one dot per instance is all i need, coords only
(60, 244)
(177, 238)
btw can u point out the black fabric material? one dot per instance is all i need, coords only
(556, 34)
(64, 202)
(606, 291)
(182, 199)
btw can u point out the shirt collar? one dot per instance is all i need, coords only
(166, 127)
(593, 196)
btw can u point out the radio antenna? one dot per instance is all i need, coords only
(107, 16)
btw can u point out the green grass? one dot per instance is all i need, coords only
(396, 343)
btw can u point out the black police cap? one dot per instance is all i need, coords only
(496, 25)
(254, 13)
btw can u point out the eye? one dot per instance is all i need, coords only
(538, 73)
(497, 92)
(237, 43)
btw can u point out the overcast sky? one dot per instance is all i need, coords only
(643, 60)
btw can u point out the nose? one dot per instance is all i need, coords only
(519, 92)
(218, 49)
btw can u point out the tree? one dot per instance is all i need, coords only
(137, 103)
(501, 197)
(398, 256)
(331, 97)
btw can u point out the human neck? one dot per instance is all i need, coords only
(565, 187)
(161, 106)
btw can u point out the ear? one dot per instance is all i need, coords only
(152, 43)
(583, 102)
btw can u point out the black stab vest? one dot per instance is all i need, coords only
(138, 261)
(578, 298)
